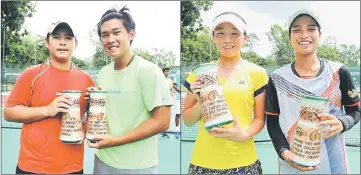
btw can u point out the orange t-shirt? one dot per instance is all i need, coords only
(41, 150)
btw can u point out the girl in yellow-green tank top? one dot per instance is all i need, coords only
(229, 149)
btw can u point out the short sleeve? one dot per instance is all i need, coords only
(272, 105)
(190, 79)
(175, 80)
(90, 81)
(260, 82)
(21, 92)
(349, 94)
(154, 88)
(102, 75)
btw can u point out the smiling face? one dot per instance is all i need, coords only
(304, 35)
(61, 45)
(115, 38)
(228, 40)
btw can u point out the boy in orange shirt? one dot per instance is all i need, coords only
(33, 102)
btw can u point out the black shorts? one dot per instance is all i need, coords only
(254, 168)
(20, 171)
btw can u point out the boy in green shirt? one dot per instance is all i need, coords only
(138, 111)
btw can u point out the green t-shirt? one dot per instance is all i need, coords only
(142, 87)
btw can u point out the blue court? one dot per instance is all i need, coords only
(168, 151)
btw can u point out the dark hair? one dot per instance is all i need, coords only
(166, 68)
(232, 13)
(317, 24)
(122, 14)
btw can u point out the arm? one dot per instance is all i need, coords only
(157, 100)
(272, 112)
(158, 122)
(349, 99)
(281, 145)
(176, 77)
(192, 110)
(236, 133)
(351, 118)
(259, 103)
(24, 114)
(278, 138)
(176, 88)
(18, 107)
(258, 119)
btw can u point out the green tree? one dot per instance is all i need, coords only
(42, 54)
(250, 55)
(79, 62)
(270, 61)
(163, 58)
(199, 49)
(252, 41)
(144, 53)
(100, 58)
(254, 58)
(282, 51)
(13, 15)
(160, 57)
(29, 51)
(328, 52)
(170, 57)
(350, 55)
(191, 15)
(196, 44)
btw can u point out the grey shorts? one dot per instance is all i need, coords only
(102, 168)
